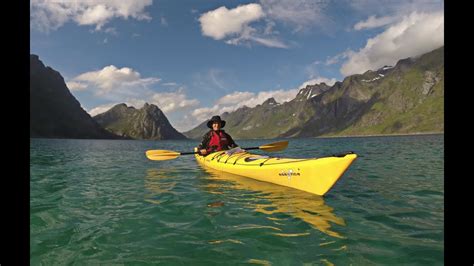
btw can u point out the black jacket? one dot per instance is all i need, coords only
(207, 138)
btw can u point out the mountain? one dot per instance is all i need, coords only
(149, 122)
(405, 98)
(54, 112)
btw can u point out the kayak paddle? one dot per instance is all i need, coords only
(161, 155)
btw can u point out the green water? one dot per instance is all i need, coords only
(103, 202)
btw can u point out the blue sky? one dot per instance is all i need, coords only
(195, 59)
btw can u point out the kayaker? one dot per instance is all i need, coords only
(216, 139)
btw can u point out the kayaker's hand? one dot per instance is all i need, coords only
(203, 152)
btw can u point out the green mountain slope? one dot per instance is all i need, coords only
(149, 122)
(406, 98)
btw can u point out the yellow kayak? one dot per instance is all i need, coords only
(313, 175)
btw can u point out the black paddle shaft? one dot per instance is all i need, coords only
(187, 153)
(252, 148)
(196, 152)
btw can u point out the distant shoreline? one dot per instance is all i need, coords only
(319, 137)
(383, 135)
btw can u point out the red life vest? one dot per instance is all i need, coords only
(218, 142)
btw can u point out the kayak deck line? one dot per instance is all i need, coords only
(238, 158)
(242, 154)
(235, 159)
(261, 164)
(267, 159)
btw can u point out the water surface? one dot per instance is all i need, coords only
(102, 201)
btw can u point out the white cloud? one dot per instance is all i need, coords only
(233, 25)
(400, 7)
(95, 15)
(205, 113)
(250, 99)
(171, 84)
(318, 80)
(112, 85)
(300, 14)
(222, 22)
(112, 78)
(48, 15)
(414, 35)
(76, 86)
(269, 42)
(335, 59)
(269, 28)
(249, 35)
(235, 97)
(111, 31)
(168, 102)
(185, 123)
(374, 22)
(235, 100)
(280, 96)
(173, 101)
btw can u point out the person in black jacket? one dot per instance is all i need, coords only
(216, 139)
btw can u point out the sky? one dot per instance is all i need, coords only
(195, 59)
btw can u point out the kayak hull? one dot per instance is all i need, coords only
(313, 175)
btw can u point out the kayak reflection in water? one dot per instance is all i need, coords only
(216, 139)
(275, 201)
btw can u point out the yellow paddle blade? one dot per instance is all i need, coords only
(161, 155)
(276, 146)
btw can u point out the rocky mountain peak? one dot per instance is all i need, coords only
(270, 101)
(150, 107)
(311, 91)
(404, 63)
(153, 111)
(148, 122)
(54, 111)
(121, 106)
